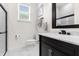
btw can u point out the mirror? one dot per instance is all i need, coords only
(63, 15)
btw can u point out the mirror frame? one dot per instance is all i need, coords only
(54, 19)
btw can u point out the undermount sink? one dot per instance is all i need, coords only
(67, 38)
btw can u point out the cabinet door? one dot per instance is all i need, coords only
(55, 52)
(44, 49)
(47, 50)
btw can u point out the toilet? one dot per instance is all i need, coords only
(31, 42)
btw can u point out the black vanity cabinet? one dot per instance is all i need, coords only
(54, 47)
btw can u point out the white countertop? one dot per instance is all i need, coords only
(66, 38)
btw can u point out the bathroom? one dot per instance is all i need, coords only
(24, 37)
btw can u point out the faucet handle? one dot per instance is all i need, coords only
(68, 33)
(63, 31)
(60, 33)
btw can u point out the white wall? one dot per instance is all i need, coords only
(26, 30)
(48, 18)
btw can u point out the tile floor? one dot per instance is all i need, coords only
(32, 50)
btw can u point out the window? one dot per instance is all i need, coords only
(24, 12)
